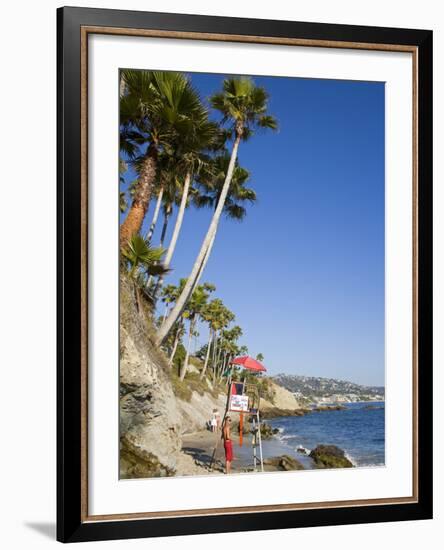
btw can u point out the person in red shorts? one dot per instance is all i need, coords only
(228, 444)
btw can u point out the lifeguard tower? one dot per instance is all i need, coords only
(244, 398)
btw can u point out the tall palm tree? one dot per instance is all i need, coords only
(155, 107)
(222, 318)
(193, 159)
(210, 314)
(243, 106)
(194, 309)
(171, 197)
(229, 347)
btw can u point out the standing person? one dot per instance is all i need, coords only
(228, 444)
(218, 420)
(213, 422)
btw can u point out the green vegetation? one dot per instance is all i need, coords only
(183, 389)
(186, 154)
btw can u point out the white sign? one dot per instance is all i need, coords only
(239, 403)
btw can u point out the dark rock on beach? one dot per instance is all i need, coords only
(283, 463)
(330, 456)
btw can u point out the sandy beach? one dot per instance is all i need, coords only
(201, 445)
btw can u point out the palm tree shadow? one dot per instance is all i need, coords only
(44, 528)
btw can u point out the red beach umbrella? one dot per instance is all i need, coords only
(249, 363)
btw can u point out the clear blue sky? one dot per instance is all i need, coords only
(304, 272)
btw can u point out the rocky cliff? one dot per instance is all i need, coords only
(152, 418)
(150, 422)
(284, 403)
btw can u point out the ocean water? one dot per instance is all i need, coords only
(358, 430)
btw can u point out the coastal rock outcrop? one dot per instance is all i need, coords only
(330, 456)
(324, 408)
(284, 404)
(150, 421)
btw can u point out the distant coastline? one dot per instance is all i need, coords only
(313, 390)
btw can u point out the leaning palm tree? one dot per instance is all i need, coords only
(243, 106)
(169, 295)
(154, 108)
(193, 159)
(194, 309)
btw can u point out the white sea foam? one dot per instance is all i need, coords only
(352, 460)
(302, 450)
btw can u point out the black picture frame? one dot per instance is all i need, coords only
(71, 524)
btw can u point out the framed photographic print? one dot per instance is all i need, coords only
(244, 274)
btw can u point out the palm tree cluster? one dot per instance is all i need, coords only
(183, 157)
(222, 344)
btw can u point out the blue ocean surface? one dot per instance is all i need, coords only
(359, 430)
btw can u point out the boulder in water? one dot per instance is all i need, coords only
(330, 456)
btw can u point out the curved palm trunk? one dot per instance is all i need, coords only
(207, 356)
(204, 263)
(136, 214)
(167, 307)
(155, 215)
(187, 356)
(188, 288)
(224, 366)
(166, 219)
(219, 353)
(173, 351)
(176, 230)
(179, 220)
